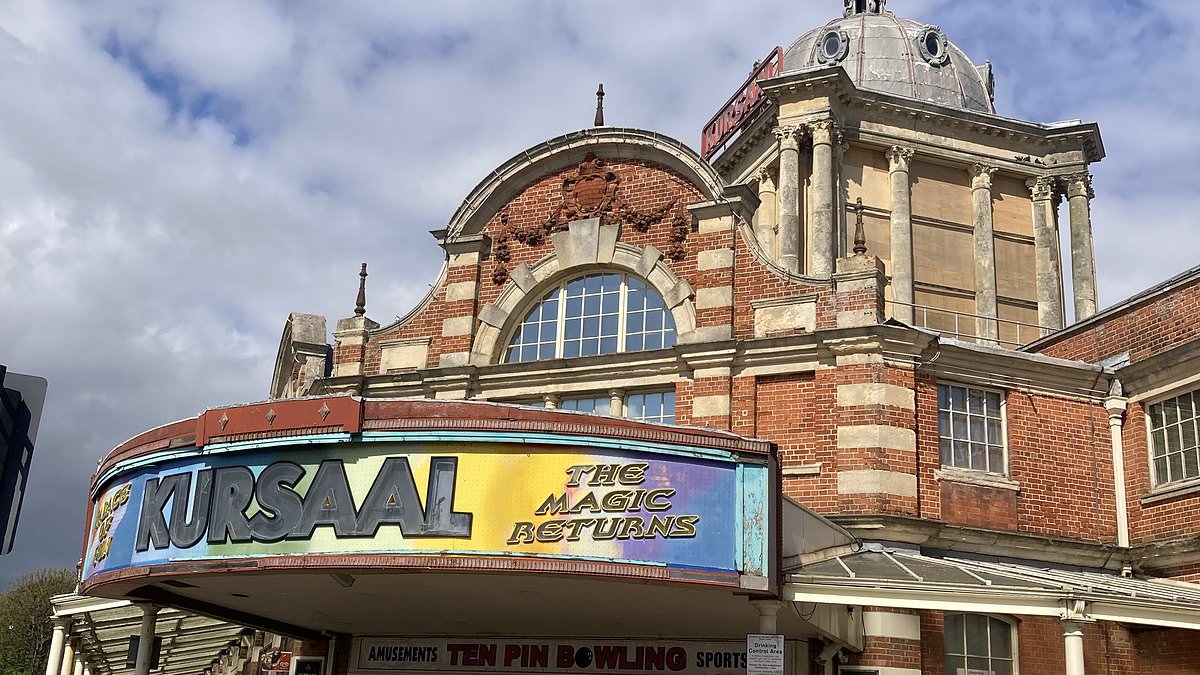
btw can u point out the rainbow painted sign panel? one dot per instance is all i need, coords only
(470, 498)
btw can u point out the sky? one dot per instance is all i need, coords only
(176, 177)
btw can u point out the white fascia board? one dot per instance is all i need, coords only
(916, 599)
(1146, 616)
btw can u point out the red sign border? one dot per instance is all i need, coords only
(774, 58)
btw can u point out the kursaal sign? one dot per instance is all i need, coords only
(466, 498)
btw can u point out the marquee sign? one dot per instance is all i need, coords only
(740, 109)
(472, 498)
(579, 656)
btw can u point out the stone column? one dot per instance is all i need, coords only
(768, 615)
(902, 248)
(766, 220)
(985, 254)
(68, 658)
(1083, 257)
(146, 639)
(78, 663)
(1073, 641)
(822, 218)
(616, 402)
(1046, 255)
(789, 197)
(58, 641)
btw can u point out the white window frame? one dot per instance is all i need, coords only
(1013, 633)
(560, 289)
(1003, 429)
(1188, 388)
(540, 403)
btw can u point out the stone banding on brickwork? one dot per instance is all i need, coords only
(875, 481)
(716, 259)
(892, 625)
(876, 393)
(876, 436)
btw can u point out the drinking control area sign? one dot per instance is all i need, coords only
(480, 498)
(582, 656)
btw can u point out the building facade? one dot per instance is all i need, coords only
(862, 270)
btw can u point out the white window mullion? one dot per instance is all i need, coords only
(622, 313)
(561, 328)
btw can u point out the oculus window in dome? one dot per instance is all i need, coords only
(590, 315)
(834, 47)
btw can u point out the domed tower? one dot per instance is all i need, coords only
(960, 204)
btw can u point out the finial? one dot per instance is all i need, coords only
(600, 105)
(860, 235)
(360, 305)
(853, 7)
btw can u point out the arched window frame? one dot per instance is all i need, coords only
(558, 293)
(1008, 622)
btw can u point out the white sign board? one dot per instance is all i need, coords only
(764, 654)
(581, 656)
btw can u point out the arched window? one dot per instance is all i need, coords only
(979, 643)
(595, 314)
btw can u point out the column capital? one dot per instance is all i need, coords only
(1079, 185)
(789, 136)
(824, 131)
(766, 181)
(61, 622)
(899, 158)
(552, 401)
(981, 176)
(1042, 188)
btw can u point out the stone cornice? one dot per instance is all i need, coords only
(1007, 369)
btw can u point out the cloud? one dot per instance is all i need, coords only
(176, 177)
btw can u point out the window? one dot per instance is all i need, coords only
(971, 428)
(596, 314)
(655, 406)
(976, 643)
(1176, 452)
(651, 407)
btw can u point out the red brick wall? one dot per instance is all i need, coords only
(794, 411)
(1172, 518)
(1144, 329)
(1108, 648)
(643, 187)
(1059, 450)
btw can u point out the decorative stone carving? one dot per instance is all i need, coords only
(590, 192)
(1042, 188)
(981, 176)
(1079, 185)
(899, 158)
(789, 136)
(593, 191)
(824, 132)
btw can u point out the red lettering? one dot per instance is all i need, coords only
(539, 656)
(607, 657)
(455, 650)
(676, 659)
(741, 107)
(566, 656)
(654, 658)
(487, 655)
(511, 654)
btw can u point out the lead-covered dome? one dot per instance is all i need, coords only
(883, 52)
